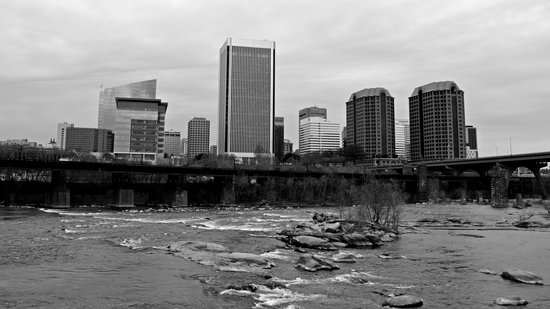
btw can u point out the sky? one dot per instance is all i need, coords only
(55, 56)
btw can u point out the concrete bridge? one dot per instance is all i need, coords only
(498, 168)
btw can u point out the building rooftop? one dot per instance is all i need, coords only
(370, 92)
(435, 86)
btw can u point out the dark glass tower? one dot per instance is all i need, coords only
(247, 97)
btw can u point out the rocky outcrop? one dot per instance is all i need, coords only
(345, 258)
(326, 232)
(247, 258)
(403, 301)
(314, 263)
(196, 246)
(511, 301)
(521, 276)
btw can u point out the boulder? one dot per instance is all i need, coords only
(356, 240)
(247, 258)
(511, 301)
(196, 246)
(311, 242)
(388, 256)
(403, 301)
(521, 276)
(488, 271)
(331, 227)
(386, 238)
(314, 263)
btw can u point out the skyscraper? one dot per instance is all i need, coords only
(436, 113)
(172, 143)
(107, 100)
(288, 146)
(370, 122)
(318, 134)
(279, 138)
(313, 111)
(247, 97)
(198, 136)
(139, 128)
(402, 139)
(471, 142)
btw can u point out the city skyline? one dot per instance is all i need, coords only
(486, 47)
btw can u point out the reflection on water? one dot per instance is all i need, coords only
(97, 259)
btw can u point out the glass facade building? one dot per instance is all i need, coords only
(247, 97)
(313, 111)
(139, 128)
(436, 114)
(370, 122)
(107, 100)
(279, 138)
(172, 143)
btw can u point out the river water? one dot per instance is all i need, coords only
(97, 258)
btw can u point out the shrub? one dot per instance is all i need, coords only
(379, 203)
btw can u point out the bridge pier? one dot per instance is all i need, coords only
(499, 188)
(228, 190)
(124, 195)
(434, 185)
(60, 194)
(535, 169)
(422, 183)
(178, 192)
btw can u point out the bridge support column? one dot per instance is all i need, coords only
(178, 192)
(124, 195)
(422, 183)
(535, 169)
(464, 193)
(434, 185)
(499, 191)
(179, 198)
(60, 194)
(124, 198)
(228, 190)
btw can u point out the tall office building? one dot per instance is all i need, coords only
(288, 146)
(318, 134)
(107, 100)
(313, 111)
(402, 139)
(370, 122)
(436, 113)
(198, 136)
(247, 97)
(62, 133)
(214, 150)
(88, 139)
(279, 138)
(471, 142)
(183, 146)
(139, 128)
(172, 143)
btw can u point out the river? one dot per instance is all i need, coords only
(100, 258)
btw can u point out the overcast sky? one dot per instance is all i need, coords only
(55, 55)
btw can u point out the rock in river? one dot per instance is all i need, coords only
(403, 301)
(511, 301)
(312, 242)
(522, 276)
(247, 258)
(315, 263)
(196, 246)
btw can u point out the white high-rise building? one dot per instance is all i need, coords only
(247, 97)
(62, 133)
(402, 139)
(318, 134)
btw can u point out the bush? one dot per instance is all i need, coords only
(379, 203)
